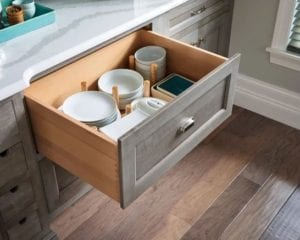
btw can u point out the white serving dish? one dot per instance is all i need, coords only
(129, 82)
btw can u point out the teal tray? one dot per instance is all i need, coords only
(43, 16)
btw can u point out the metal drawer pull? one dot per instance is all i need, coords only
(196, 12)
(23, 220)
(14, 189)
(4, 153)
(186, 124)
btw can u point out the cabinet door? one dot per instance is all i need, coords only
(211, 34)
(61, 187)
(214, 36)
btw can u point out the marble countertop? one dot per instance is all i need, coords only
(80, 25)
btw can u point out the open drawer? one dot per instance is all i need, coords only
(125, 169)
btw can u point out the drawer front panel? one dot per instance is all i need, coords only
(190, 10)
(16, 199)
(9, 133)
(168, 136)
(212, 8)
(26, 228)
(12, 164)
(153, 147)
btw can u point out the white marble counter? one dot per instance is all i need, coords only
(80, 25)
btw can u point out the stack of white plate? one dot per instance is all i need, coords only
(91, 107)
(146, 56)
(129, 83)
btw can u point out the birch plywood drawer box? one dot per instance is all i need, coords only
(125, 169)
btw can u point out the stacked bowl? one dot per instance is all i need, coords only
(129, 83)
(91, 107)
(146, 56)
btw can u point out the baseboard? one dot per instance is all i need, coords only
(268, 100)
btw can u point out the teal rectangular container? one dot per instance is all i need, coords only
(43, 16)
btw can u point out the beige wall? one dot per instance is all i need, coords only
(252, 31)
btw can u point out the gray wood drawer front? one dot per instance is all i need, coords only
(16, 199)
(9, 133)
(26, 228)
(156, 144)
(167, 137)
(12, 164)
(190, 10)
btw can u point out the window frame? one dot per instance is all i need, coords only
(278, 53)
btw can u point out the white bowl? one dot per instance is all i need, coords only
(150, 54)
(161, 73)
(148, 67)
(129, 82)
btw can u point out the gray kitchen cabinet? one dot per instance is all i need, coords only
(61, 187)
(210, 35)
(23, 213)
(204, 24)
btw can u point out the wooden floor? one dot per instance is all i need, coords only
(241, 183)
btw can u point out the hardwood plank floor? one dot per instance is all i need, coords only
(247, 169)
(286, 225)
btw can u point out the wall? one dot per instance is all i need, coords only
(252, 31)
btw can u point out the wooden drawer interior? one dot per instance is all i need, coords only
(83, 151)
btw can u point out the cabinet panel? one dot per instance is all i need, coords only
(12, 164)
(60, 186)
(16, 199)
(26, 227)
(9, 133)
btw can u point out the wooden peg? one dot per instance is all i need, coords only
(115, 94)
(128, 109)
(146, 88)
(83, 86)
(153, 73)
(132, 62)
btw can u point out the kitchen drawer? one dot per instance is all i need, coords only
(27, 227)
(16, 199)
(9, 133)
(12, 164)
(125, 169)
(193, 12)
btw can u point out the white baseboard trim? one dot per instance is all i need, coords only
(268, 100)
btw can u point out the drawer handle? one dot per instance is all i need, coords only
(201, 40)
(23, 220)
(186, 124)
(14, 189)
(4, 153)
(196, 12)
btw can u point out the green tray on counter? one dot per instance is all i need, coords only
(43, 16)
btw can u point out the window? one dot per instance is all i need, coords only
(285, 22)
(294, 44)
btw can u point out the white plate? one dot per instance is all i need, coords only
(129, 82)
(89, 106)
